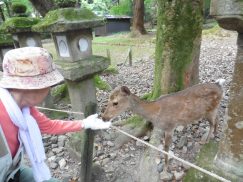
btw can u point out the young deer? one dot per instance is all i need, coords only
(181, 108)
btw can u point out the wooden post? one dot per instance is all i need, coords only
(83, 99)
(108, 54)
(130, 56)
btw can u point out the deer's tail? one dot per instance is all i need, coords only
(220, 82)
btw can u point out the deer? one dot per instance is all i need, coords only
(200, 101)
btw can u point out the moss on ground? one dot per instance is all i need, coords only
(101, 84)
(205, 160)
(111, 70)
(135, 121)
(60, 92)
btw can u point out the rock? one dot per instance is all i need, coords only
(62, 163)
(178, 175)
(160, 167)
(179, 128)
(53, 165)
(53, 139)
(182, 142)
(52, 158)
(165, 176)
(61, 141)
(110, 144)
(112, 155)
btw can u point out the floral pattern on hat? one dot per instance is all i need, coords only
(29, 68)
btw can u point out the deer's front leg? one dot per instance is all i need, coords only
(168, 140)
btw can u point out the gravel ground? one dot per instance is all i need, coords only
(121, 164)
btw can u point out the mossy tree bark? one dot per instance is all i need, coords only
(179, 27)
(138, 17)
(43, 6)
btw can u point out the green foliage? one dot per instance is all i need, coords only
(6, 39)
(101, 84)
(60, 92)
(124, 8)
(135, 120)
(99, 7)
(19, 8)
(147, 96)
(65, 3)
(150, 10)
(111, 70)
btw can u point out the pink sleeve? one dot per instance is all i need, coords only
(49, 126)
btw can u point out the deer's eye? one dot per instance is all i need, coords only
(115, 103)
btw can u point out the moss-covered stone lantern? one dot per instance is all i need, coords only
(229, 158)
(229, 14)
(6, 44)
(20, 28)
(71, 29)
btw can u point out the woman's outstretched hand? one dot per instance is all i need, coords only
(94, 123)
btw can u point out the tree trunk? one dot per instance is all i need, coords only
(179, 28)
(8, 7)
(138, 17)
(43, 6)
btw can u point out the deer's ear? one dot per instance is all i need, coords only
(125, 90)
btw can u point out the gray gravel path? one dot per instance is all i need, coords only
(120, 165)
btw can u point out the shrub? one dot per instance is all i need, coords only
(124, 8)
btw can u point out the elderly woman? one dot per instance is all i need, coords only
(28, 74)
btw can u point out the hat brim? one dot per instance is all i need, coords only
(33, 82)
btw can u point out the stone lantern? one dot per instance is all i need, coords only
(229, 15)
(20, 28)
(6, 44)
(71, 30)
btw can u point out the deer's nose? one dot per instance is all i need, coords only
(104, 117)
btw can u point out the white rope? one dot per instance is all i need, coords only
(49, 109)
(148, 144)
(173, 156)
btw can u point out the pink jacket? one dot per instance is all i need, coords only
(46, 126)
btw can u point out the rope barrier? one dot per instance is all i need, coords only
(148, 144)
(49, 109)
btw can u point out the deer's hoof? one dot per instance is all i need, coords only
(165, 176)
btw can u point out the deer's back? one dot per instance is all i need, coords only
(190, 104)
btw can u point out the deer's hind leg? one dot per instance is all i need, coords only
(213, 122)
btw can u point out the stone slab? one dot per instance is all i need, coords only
(228, 13)
(82, 69)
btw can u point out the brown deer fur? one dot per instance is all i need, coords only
(180, 108)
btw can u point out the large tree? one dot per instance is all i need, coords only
(43, 6)
(178, 40)
(179, 27)
(138, 17)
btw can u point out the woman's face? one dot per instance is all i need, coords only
(35, 97)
